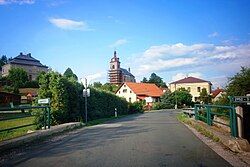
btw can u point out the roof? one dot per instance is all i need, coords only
(216, 92)
(26, 60)
(190, 80)
(125, 72)
(146, 89)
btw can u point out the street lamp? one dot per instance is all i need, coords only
(175, 98)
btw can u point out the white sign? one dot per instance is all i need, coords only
(149, 99)
(43, 101)
(241, 99)
(86, 92)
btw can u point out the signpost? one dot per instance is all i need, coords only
(241, 99)
(46, 112)
(86, 94)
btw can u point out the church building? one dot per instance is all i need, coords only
(118, 75)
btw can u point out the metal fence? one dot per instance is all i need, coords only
(23, 112)
(206, 113)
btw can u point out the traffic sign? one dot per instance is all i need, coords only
(86, 92)
(44, 101)
(241, 99)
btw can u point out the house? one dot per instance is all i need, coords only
(118, 75)
(216, 94)
(7, 98)
(25, 61)
(193, 85)
(133, 92)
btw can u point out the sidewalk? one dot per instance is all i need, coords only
(37, 135)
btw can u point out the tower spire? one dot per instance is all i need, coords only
(115, 54)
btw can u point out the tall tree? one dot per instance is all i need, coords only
(157, 80)
(18, 77)
(144, 80)
(69, 74)
(239, 84)
(3, 61)
(205, 97)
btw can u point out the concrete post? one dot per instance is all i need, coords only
(239, 113)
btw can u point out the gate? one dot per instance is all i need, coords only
(206, 113)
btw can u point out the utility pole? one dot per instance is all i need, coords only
(86, 107)
(175, 97)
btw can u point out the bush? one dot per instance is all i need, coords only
(160, 105)
(136, 107)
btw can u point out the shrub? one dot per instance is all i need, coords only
(136, 107)
(160, 105)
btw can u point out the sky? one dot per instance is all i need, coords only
(209, 39)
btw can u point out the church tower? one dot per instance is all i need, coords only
(115, 76)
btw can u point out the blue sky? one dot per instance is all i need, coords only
(206, 39)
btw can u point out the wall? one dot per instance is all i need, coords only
(128, 94)
(193, 88)
(31, 70)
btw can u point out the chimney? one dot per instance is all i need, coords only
(129, 69)
(21, 53)
(29, 54)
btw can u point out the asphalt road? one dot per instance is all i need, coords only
(151, 139)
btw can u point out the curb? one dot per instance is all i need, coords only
(37, 135)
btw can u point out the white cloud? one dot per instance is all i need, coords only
(214, 34)
(93, 77)
(197, 57)
(68, 24)
(19, 2)
(179, 76)
(117, 43)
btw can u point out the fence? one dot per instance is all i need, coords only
(21, 112)
(206, 113)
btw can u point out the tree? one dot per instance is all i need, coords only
(205, 97)
(97, 85)
(239, 84)
(157, 80)
(144, 80)
(3, 61)
(69, 74)
(17, 77)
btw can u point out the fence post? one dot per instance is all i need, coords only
(209, 122)
(234, 122)
(196, 112)
(231, 121)
(44, 116)
(48, 117)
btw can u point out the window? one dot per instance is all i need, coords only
(189, 89)
(129, 100)
(198, 89)
(130, 91)
(119, 92)
(124, 91)
(113, 66)
(124, 85)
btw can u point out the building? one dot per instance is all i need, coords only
(118, 75)
(32, 66)
(133, 92)
(193, 85)
(216, 94)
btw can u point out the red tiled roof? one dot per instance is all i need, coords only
(216, 92)
(189, 80)
(146, 89)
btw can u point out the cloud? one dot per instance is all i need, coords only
(195, 57)
(93, 77)
(117, 43)
(68, 24)
(179, 76)
(214, 34)
(19, 2)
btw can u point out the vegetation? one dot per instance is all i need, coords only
(239, 84)
(168, 100)
(3, 61)
(105, 87)
(156, 80)
(4, 124)
(69, 74)
(205, 97)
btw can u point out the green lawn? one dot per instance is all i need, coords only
(4, 124)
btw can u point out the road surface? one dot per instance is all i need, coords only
(150, 139)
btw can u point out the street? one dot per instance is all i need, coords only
(150, 139)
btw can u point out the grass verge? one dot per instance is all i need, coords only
(185, 119)
(5, 135)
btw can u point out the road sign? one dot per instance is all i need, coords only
(241, 99)
(86, 92)
(44, 101)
